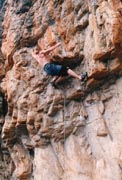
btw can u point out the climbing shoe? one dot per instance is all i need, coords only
(84, 76)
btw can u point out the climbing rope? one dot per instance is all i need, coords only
(64, 110)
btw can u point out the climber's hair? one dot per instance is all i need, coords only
(36, 50)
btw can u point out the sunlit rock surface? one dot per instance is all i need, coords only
(73, 132)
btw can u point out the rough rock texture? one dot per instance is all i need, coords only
(73, 132)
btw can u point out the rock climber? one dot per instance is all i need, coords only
(53, 69)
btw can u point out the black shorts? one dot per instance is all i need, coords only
(55, 69)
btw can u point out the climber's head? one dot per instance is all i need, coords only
(36, 50)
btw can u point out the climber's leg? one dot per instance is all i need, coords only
(73, 74)
(57, 80)
(82, 77)
(61, 72)
(60, 79)
(54, 78)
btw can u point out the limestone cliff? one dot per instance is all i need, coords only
(73, 132)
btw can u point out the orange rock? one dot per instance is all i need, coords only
(60, 131)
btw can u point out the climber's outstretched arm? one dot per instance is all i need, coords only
(50, 49)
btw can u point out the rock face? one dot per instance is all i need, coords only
(73, 132)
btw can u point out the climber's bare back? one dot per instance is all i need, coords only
(43, 56)
(42, 59)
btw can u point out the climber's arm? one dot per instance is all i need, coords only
(50, 49)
